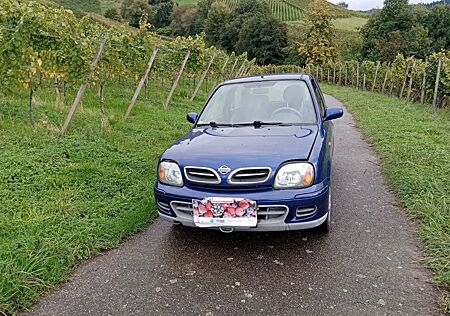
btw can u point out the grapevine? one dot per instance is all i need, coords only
(44, 45)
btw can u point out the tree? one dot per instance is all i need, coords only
(113, 14)
(184, 20)
(203, 8)
(251, 7)
(438, 24)
(243, 11)
(215, 24)
(343, 4)
(161, 14)
(318, 46)
(418, 42)
(291, 55)
(393, 21)
(133, 10)
(264, 38)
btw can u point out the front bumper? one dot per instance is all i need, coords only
(174, 204)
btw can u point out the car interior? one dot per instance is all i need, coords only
(286, 101)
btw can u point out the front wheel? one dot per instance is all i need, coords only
(325, 227)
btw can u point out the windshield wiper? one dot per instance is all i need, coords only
(255, 124)
(214, 124)
(260, 123)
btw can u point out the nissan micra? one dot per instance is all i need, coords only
(258, 158)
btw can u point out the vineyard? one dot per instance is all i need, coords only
(416, 80)
(45, 46)
(292, 10)
(281, 9)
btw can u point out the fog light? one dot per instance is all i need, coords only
(305, 211)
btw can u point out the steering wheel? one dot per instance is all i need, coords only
(286, 109)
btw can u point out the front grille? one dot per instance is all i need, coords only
(305, 211)
(182, 207)
(249, 175)
(272, 212)
(265, 212)
(201, 175)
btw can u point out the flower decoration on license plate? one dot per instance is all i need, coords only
(214, 212)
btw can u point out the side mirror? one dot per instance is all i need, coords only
(333, 113)
(191, 117)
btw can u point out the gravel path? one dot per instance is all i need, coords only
(369, 265)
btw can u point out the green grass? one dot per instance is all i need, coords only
(414, 146)
(186, 1)
(339, 12)
(65, 199)
(350, 24)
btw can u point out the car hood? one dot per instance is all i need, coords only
(239, 147)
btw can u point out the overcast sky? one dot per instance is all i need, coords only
(369, 4)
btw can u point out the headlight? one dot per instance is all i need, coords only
(169, 173)
(294, 175)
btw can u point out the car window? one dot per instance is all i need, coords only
(319, 97)
(282, 101)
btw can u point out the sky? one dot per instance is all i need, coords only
(369, 4)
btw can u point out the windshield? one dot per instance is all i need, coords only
(276, 102)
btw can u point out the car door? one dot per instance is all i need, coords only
(326, 129)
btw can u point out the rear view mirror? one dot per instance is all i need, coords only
(333, 113)
(191, 117)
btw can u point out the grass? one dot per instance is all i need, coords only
(65, 199)
(414, 146)
(353, 24)
(186, 1)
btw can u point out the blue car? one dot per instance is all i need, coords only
(258, 158)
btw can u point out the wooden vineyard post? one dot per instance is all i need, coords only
(388, 69)
(436, 85)
(328, 74)
(340, 75)
(83, 87)
(424, 82)
(364, 81)
(334, 73)
(232, 68)
(357, 74)
(346, 74)
(141, 84)
(238, 73)
(202, 78)
(225, 63)
(391, 89)
(410, 81)
(317, 72)
(175, 83)
(404, 81)
(375, 77)
(321, 73)
(222, 69)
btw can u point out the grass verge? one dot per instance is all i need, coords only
(65, 199)
(414, 146)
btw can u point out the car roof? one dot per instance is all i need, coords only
(269, 77)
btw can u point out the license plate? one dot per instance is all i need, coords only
(220, 212)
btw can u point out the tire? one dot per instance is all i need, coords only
(325, 227)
